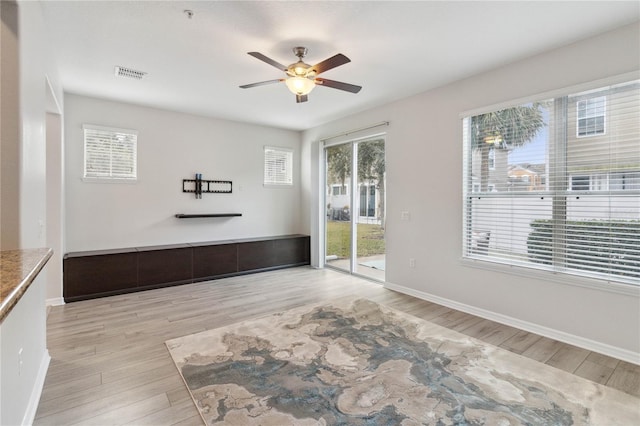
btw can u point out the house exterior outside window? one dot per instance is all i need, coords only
(591, 114)
(339, 190)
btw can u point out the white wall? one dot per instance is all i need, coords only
(32, 120)
(23, 373)
(10, 129)
(424, 140)
(171, 147)
(27, 58)
(55, 203)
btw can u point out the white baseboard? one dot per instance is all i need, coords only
(56, 301)
(34, 399)
(592, 345)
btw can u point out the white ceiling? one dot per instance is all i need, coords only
(397, 49)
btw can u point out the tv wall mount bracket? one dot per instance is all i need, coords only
(201, 186)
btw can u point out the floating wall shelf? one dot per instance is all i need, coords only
(190, 216)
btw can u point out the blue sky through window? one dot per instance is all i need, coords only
(533, 152)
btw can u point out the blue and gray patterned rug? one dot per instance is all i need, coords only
(354, 362)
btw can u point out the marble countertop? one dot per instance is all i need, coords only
(18, 269)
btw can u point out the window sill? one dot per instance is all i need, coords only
(109, 180)
(278, 185)
(556, 277)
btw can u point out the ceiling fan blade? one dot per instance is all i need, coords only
(332, 62)
(301, 98)
(262, 83)
(338, 85)
(269, 61)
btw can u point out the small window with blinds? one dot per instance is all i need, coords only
(110, 154)
(563, 195)
(278, 166)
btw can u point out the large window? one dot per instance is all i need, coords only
(556, 199)
(110, 154)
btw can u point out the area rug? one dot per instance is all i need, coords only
(355, 362)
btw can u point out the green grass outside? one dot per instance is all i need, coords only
(370, 239)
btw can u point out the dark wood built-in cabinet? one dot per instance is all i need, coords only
(214, 260)
(160, 265)
(100, 273)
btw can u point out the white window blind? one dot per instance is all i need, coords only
(278, 166)
(109, 153)
(557, 199)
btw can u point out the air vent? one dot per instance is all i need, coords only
(130, 73)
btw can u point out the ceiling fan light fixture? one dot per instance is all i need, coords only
(302, 78)
(298, 69)
(300, 85)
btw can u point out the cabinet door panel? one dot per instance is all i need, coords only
(99, 274)
(210, 261)
(255, 255)
(291, 251)
(165, 267)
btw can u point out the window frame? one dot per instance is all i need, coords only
(114, 131)
(588, 116)
(565, 275)
(342, 190)
(287, 155)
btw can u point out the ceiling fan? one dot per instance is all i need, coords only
(302, 78)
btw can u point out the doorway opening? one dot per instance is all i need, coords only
(355, 195)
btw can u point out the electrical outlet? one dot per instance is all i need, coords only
(405, 216)
(412, 263)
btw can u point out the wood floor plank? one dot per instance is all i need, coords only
(455, 320)
(568, 358)
(490, 332)
(110, 364)
(85, 406)
(595, 372)
(60, 371)
(183, 411)
(191, 421)
(542, 350)
(520, 342)
(156, 366)
(80, 384)
(128, 413)
(603, 360)
(179, 395)
(626, 378)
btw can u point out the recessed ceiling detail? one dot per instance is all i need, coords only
(129, 73)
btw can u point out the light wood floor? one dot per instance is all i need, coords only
(110, 365)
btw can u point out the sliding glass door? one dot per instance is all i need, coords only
(355, 194)
(339, 191)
